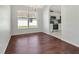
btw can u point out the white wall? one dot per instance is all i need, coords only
(4, 27)
(15, 30)
(70, 24)
(46, 20)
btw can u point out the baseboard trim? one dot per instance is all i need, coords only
(70, 43)
(27, 33)
(64, 40)
(7, 45)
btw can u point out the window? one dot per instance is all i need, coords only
(27, 18)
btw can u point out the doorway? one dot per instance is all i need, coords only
(55, 20)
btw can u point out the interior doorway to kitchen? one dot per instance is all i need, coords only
(55, 20)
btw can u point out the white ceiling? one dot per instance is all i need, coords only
(56, 8)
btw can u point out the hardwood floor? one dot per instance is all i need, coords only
(39, 43)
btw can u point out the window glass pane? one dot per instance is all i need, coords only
(22, 23)
(33, 19)
(27, 18)
(32, 23)
(22, 17)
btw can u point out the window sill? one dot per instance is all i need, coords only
(27, 28)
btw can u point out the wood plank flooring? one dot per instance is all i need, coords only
(39, 43)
